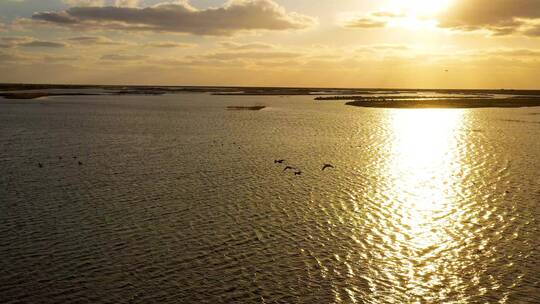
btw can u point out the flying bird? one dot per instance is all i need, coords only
(327, 166)
(40, 165)
(80, 163)
(298, 173)
(279, 161)
(288, 168)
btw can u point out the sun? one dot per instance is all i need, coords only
(420, 7)
(416, 14)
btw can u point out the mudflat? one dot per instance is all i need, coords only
(463, 103)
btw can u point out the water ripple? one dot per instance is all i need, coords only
(179, 201)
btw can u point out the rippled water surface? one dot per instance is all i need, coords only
(179, 201)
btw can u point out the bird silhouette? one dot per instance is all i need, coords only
(40, 165)
(288, 168)
(80, 163)
(298, 173)
(279, 161)
(327, 166)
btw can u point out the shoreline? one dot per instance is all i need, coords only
(448, 104)
(369, 98)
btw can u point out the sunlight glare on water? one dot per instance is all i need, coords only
(180, 201)
(423, 164)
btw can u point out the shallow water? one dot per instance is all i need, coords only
(179, 201)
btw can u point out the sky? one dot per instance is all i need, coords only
(458, 44)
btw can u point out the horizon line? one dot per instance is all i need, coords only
(263, 87)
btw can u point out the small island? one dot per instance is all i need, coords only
(245, 108)
(455, 103)
(36, 95)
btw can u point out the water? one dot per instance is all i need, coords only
(179, 201)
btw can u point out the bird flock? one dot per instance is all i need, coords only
(296, 171)
(80, 163)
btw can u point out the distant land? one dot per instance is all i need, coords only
(366, 97)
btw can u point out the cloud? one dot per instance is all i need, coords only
(13, 41)
(89, 3)
(127, 3)
(383, 48)
(61, 18)
(251, 55)
(500, 17)
(365, 22)
(118, 57)
(84, 2)
(510, 53)
(42, 44)
(180, 17)
(191, 62)
(170, 45)
(383, 14)
(246, 46)
(18, 58)
(50, 58)
(8, 57)
(372, 20)
(391, 47)
(532, 31)
(15, 57)
(94, 40)
(24, 41)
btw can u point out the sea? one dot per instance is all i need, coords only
(175, 199)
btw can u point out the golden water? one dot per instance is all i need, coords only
(179, 201)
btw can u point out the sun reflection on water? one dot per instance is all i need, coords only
(424, 159)
(422, 172)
